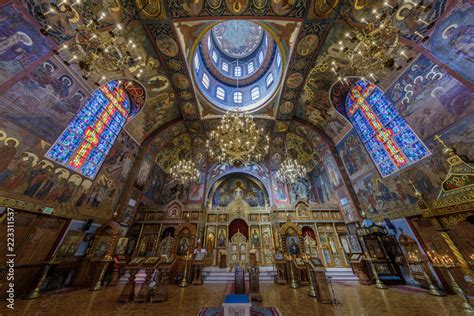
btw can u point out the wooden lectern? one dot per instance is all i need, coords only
(323, 293)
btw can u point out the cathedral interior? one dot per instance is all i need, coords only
(236, 157)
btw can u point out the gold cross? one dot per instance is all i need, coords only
(439, 140)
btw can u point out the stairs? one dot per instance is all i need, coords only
(267, 274)
(217, 275)
(341, 274)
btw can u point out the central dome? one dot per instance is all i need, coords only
(237, 38)
(237, 65)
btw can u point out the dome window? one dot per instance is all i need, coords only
(255, 93)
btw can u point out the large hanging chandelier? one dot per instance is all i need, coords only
(290, 171)
(377, 48)
(237, 140)
(93, 49)
(185, 172)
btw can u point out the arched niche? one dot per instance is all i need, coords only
(238, 225)
(228, 187)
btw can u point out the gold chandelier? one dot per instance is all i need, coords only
(237, 140)
(376, 48)
(93, 49)
(290, 171)
(185, 171)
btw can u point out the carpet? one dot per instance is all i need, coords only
(254, 311)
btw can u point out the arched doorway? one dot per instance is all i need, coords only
(238, 242)
(238, 225)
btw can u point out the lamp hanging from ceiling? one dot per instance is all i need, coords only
(290, 170)
(237, 140)
(185, 172)
(376, 47)
(96, 48)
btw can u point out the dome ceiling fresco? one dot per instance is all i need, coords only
(237, 38)
(307, 34)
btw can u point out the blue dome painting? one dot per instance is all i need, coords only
(237, 66)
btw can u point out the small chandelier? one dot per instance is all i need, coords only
(93, 49)
(290, 171)
(185, 171)
(237, 140)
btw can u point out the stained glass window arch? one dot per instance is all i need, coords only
(389, 140)
(85, 143)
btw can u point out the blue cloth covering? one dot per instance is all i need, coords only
(237, 299)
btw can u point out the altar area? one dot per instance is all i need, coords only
(238, 222)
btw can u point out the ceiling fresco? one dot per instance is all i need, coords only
(166, 33)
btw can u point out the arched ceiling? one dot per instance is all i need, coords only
(165, 34)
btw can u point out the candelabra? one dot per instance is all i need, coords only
(445, 261)
(293, 283)
(312, 290)
(416, 258)
(237, 140)
(184, 282)
(96, 48)
(185, 172)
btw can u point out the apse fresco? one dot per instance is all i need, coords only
(451, 41)
(429, 99)
(390, 142)
(26, 175)
(49, 87)
(21, 44)
(238, 187)
(218, 170)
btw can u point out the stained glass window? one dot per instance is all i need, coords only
(390, 142)
(85, 143)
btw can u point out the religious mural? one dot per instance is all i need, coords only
(21, 44)
(451, 41)
(152, 187)
(380, 196)
(353, 155)
(279, 192)
(323, 186)
(238, 186)
(196, 190)
(429, 98)
(160, 104)
(51, 87)
(301, 190)
(26, 175)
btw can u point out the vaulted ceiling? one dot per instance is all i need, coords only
(166, 32)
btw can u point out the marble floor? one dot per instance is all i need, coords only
(355, 299)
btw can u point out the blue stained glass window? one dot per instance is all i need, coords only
(389, 140)
(85, 143)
